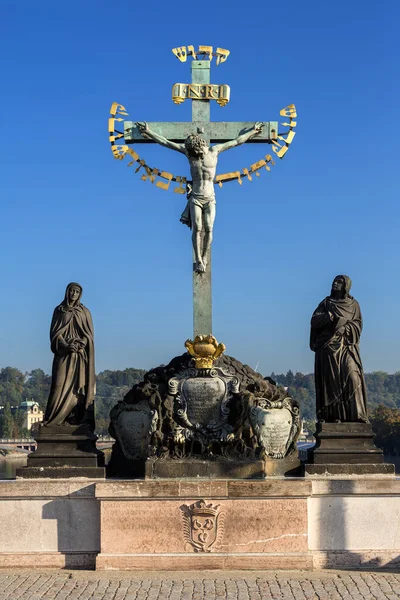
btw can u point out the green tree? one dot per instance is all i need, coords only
(7, 422)
(37, 386)
(11, 386)
(386, 424)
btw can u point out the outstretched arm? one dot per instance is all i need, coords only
(241, 139)
(160, 139)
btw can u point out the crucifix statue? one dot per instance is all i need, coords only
(194, 139)
(199, 213)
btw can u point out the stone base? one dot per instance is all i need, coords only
(275, 523)
(192, 468)
(249, 524)
(349, 470)
(60, 472)
(343, 444)
(64, 451)
(49, 524)
(48, 560)
(200, 562)
(290, 466)
(366, 560)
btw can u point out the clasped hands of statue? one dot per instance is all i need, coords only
(73, 345)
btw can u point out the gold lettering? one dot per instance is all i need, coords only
(191, 51)
(180, 53)
(193, 91)
(111, 124)
(179, 91)
(292, 124)
(224, 91)
(161, 184)
(112, 138)
(117, 109)
(180, 189)
(221, 55)
(289, 139)
(228, 177)
(289, 111)
(154, 175)
(148, 174)
(211, 90)
(208, 50)
(281, 152)
(255, 166)
(132, 153)
(247, 174)
(141, 164)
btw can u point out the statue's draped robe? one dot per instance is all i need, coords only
(339, 380)
(73, 375)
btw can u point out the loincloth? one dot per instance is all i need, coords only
(200, 200)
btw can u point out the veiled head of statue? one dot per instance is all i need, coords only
(341, 286)
(73, 294)
(195, 144)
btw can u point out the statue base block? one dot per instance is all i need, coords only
(290, 466)
(60, 472)
(350, 470)
(190, 421)
(346, 449)
(189, 524)
(192, 468)
(64, 451)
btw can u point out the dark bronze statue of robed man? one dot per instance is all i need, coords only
(73, 375)
(335, 334)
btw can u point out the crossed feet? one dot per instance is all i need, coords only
(201, 266)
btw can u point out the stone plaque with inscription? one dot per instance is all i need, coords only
(276, 425)
(201, 406)
(204, 396)
(132, 426)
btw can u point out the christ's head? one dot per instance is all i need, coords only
(196, 145)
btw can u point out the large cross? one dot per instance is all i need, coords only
(212, 132)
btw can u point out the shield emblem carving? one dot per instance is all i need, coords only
(273, 427)
(203, 525)
(203, 396)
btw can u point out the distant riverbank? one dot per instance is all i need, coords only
(11, 453)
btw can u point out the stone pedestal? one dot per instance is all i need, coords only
(195, 525)
(346, 449)
(276, 523)
(185, 420)
(64, 451)
(289, 466)
(192, 468)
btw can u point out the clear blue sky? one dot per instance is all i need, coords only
(69, 212)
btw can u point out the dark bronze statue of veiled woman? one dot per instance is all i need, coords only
(335, 334)
(73, 376)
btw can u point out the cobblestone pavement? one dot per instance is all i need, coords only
(206, 585)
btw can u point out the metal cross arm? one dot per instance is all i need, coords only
(216, 132)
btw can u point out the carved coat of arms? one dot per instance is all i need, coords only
(201, 404)
(276, 424)
(203, 525)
